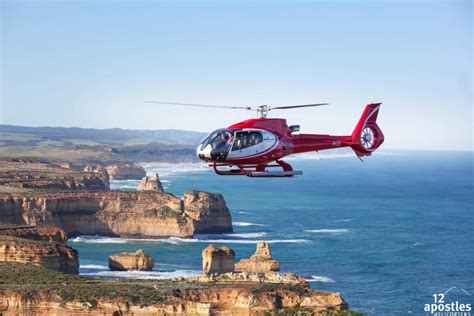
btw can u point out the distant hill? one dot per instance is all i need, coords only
(111, 135)
(96, 145)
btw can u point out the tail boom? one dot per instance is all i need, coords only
(366, 137)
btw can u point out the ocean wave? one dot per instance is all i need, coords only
(165, 169)
(246, 213)
(328, 231)
(237, 241)
(178, 240)
(247, 235)
(343, 220)
(320, 278)
(93, 266)
(98, 240)
(146, 275)
(244, 224)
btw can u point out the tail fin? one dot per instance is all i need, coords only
(367, 135)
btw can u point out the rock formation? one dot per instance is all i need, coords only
(29, 176)
(245, 277)
(44, 233)
(150, 183)
(38, 246)
(260, 262)
(138, 260)
(217, 260)
(139, 214)
(125, 172)
(209, 211)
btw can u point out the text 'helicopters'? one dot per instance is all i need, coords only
(253, 146)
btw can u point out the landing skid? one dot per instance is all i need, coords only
(255, 171)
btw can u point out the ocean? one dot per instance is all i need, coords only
(388, 233)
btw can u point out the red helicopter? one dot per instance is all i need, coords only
(253, 146)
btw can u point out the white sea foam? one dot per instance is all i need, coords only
(247, 235)
(328, 231)
(165, 169)
(246, 213)
(178, 240)
(98, 240)
(244, 224)
(343, 220)
(93, 266)
(237, 241)
(319, 278)
(148, 275)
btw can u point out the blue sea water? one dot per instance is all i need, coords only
(387, 233)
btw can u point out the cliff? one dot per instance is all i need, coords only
(208, 210)
(114, 213)
(27, 176)
(23, 291)
(47, 233)
(51, 255)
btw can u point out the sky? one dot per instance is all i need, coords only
(93, 63)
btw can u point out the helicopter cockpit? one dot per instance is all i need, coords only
(220, 143)
(217, 145)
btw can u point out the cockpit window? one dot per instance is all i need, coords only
(246, 139)
(221, 143)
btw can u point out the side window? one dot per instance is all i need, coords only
(246, 139)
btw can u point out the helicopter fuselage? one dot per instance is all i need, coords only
(252, 145)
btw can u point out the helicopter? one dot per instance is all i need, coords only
(255, 147)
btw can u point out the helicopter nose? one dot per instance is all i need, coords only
(204, 153)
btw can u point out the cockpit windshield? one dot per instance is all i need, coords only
(221, 142)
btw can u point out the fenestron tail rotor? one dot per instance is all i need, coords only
(262, 109)
(367, 138)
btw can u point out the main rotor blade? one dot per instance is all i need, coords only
(296, 106)
(203, 105)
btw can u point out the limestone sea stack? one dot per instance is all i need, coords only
(150, 183)
(125, 172)
(217, 260)
(208, 210)
(260, 262)
(137, 260)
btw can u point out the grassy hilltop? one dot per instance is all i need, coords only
(94, 145)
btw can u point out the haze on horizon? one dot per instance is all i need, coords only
(92, 64)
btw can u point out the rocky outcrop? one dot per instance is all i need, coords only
(260, 262)
(253, 277)
(17, 176)
(46, 233)
(208, 210)
(139, 214)
(42, 246)
(51, 255)
(138, 260)
(217, 260)
(150, 183)
(125, 172)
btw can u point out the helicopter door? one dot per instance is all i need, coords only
(251, 142)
